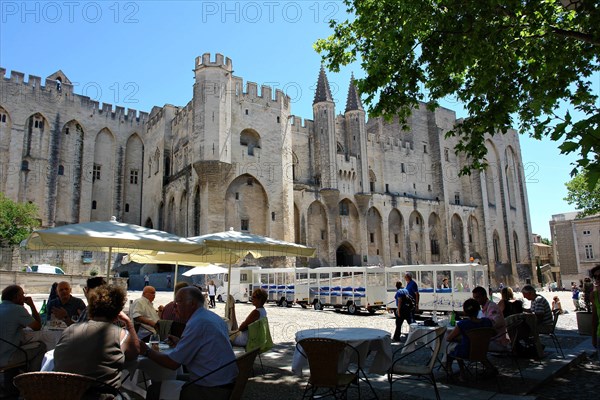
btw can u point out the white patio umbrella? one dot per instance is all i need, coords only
(178, 259)
(228, 248)
(238, 244)
(209, 269)
(109, 236)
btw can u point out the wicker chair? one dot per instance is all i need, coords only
(417, 362)
(324, 357)
(58, 385)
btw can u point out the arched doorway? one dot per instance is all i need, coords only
(345, 255)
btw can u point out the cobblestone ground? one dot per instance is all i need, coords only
(580, 381)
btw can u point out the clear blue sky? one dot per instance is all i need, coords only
(139, 54)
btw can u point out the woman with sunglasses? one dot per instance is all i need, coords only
(259, 298)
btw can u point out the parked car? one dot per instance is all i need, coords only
(47, 269)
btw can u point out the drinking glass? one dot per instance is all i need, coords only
(154, 340)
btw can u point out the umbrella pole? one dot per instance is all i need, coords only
(227, 305)
(108, 265)
(175, 277)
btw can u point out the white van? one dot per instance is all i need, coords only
(47, 269)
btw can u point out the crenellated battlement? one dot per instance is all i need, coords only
(53, 90)
(204, 61)
(249, 92)
(299, 125)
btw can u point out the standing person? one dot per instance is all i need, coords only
(239, 337)
(403, 310)
(595, 275)
(168, 280)
(413, 290)
(204, 347)
(146, 280)
(212, 293)
(588, 288)
(65, 307)
(98, 348)
(14, 318)
(142, 310)
(575, 295)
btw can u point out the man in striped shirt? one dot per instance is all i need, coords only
(541, 308)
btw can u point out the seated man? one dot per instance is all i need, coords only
(541, 308)
(14, 318)
(143, 312)
(65, 306)
(92, 283)
(491, 311)
(204, 347)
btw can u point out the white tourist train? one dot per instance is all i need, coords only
(357, 288)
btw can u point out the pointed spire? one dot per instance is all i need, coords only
(353, 102)
(323, 93)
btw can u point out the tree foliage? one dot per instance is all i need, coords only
(17, 220)
(584, 199)
(505, 60)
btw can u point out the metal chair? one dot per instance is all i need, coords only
(557, 346)
(324, 357)
(244, 363)
(418, 362)
(18, 364)
(512, 328)
(479, 339)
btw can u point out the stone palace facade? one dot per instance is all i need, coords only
(361, 192)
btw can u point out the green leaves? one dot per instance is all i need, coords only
(584, 193)
(503, 59)
(17, 220)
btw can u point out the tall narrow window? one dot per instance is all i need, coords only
(96, 172)
(457, 198)
(133, 176)
(589, 251)
(396, 238)
(94, 204)
(245, 225)
(372, 237)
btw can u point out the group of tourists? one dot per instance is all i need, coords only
(99, 339)
(480, 311)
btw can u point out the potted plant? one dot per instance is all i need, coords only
(584, 317)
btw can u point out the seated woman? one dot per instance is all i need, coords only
(98, 348)
(239, 337)
(556, 305)
(471, 309)
(508, 305)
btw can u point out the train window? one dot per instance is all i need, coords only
(392, 278)
(243, 278)
(426, 281)
(443, 280)
(461, 281)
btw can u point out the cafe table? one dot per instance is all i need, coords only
(140, 373)
(365, 340)
(47, 335)
(419, 334)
